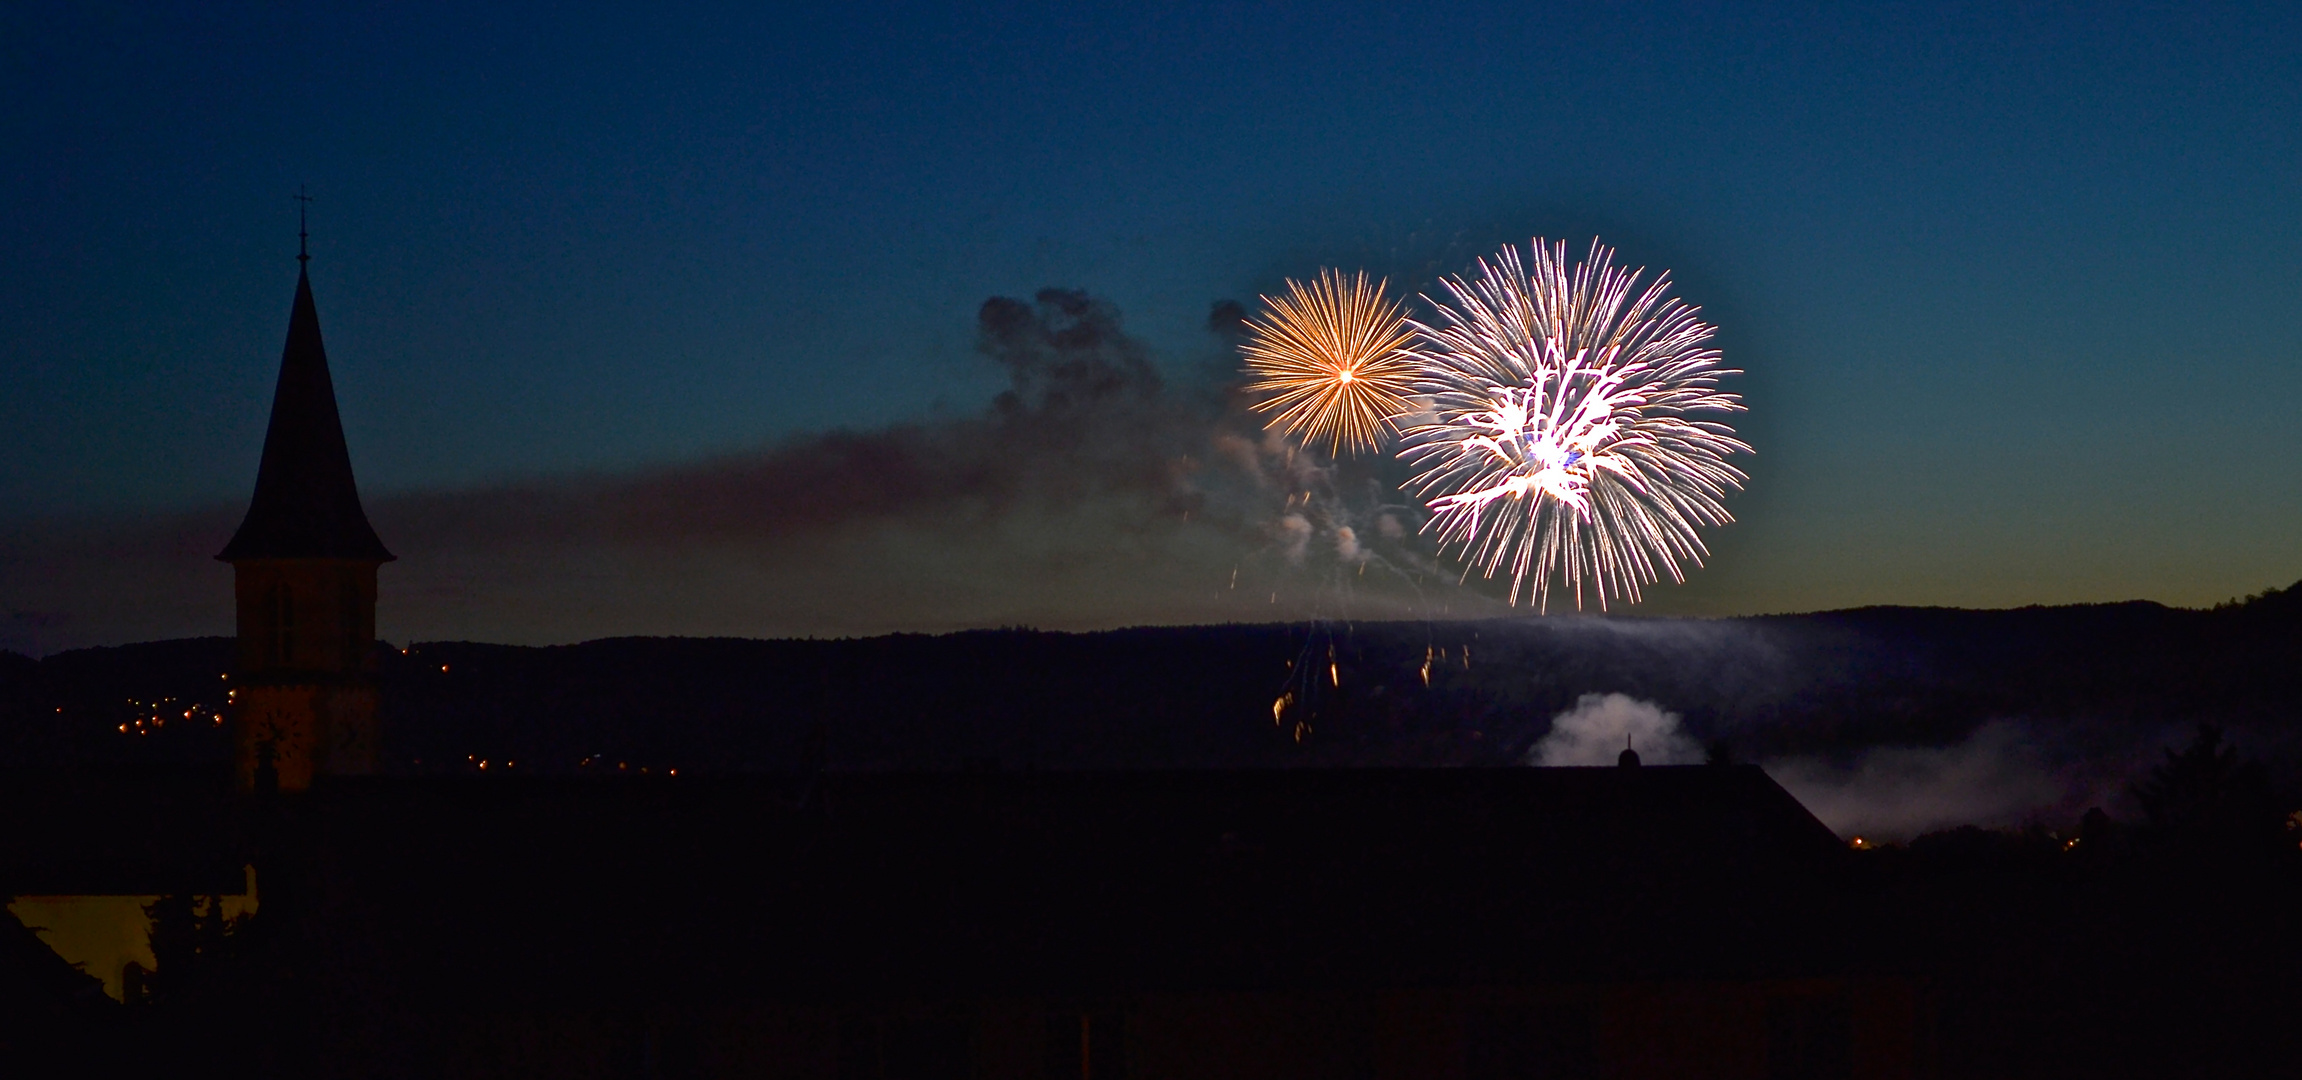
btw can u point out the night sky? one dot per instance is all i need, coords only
(2014, 287)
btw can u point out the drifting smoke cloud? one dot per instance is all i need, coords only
(1087, 494)
(1999, 774)
(1294, 535)
(1600, 726)
(1085, 415)
(1994, 777)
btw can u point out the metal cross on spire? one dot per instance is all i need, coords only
(303, 202)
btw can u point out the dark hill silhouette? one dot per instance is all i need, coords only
(1819, 684)
(518, 907)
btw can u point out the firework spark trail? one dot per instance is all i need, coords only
(1327, 361)
(1559, 435)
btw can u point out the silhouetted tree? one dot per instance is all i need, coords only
(2203, 798)
(190, 935)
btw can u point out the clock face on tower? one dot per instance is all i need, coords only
(348, 741)
(307, 730)
(277, 728)
(350, 731)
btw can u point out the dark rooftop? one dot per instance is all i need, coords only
(964, 884)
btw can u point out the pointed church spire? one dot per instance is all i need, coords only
(306, 504)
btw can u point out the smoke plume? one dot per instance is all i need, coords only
(1089, 493)
(1994, 777)
(1601, 726)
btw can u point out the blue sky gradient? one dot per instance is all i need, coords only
(2015, 285)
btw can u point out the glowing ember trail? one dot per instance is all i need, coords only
(1560, 440)
(1327, 360)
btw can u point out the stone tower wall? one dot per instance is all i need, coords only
(305, 698)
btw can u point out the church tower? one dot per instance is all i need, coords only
(304, 567)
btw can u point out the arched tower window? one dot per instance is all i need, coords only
(283, 619)
(268, 624)
(351, 625)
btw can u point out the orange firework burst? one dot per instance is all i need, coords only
(1327, 360)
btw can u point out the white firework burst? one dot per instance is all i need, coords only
(1563, 434)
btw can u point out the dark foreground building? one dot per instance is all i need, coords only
(1459, 923)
